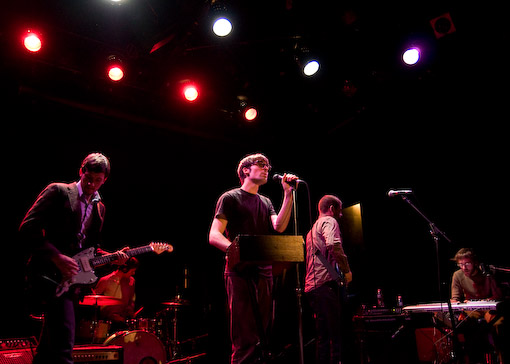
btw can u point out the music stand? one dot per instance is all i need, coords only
(278, 250)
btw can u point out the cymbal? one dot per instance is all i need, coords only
(100, 300)
(177, 302)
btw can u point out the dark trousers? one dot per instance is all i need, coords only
(244, 324)
(57, 336)
(325, 302)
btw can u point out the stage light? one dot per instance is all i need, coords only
(32, 42)
(311, 68)
(190, 93)
(222, 27)
(246, 110)
(115, 69)
(115, 73)
(250, 113)
(221, 24)
(307, 62)
(411, 56)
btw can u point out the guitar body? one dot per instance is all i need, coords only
(86, 274)
(44, 281)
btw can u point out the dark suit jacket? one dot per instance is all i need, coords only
(53, 223)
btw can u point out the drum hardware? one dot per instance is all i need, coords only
(187, 359)
(174, 305)
(96, 330)
(100, 300)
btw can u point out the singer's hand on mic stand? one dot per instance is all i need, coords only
(289, 182)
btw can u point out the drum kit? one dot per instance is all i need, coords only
(155, 339)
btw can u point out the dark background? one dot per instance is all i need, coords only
(365, 124)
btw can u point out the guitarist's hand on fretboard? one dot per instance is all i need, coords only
(122, 257)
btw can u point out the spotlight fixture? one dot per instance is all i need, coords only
(411, 56)
(32, 41)
(190, 93)
(311, 67)
(221, 24)
(248, 111)
(307, 62)
(189, 90)
(115, 70)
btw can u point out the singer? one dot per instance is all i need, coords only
(243, 210)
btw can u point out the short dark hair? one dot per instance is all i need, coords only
(131, 263)
(96, 163)
(327, 200)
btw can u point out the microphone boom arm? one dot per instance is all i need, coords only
(434, 230)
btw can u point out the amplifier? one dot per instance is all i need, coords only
(384, 338)
(17, 356)
(98, 354)
(18, 343)
(21, 354)
(17, 350)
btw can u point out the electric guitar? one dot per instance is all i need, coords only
(87, 261)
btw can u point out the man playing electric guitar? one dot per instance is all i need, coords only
(64, 220)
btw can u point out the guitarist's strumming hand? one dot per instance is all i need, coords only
(66, 265)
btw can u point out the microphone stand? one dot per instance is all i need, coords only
(299, 290)
(435, 232)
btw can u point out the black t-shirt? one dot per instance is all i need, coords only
(246, 213)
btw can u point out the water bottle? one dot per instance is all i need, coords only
(380, 298)
(399, 301)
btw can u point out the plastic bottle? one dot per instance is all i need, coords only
(399, 301)
(380, 298)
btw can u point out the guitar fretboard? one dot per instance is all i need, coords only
(108, 258)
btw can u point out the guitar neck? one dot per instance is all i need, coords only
(108, 258)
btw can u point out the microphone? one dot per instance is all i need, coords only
(278, 177)
(392, 193)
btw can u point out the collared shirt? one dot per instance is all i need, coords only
(323, 236)
(86, 211)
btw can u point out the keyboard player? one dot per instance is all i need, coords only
(479, 328)
(469, 282)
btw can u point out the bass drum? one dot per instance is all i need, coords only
(94, 332)
(140, 347)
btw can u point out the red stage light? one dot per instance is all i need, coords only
(250, 114)
(115, 73)
(190, 93)
(32, 42)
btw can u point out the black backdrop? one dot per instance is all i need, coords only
(443, 134)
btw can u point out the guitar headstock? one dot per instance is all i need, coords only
(160, 247)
